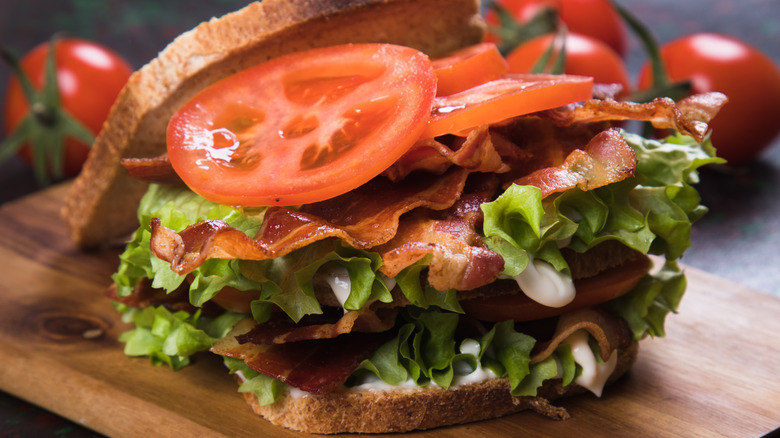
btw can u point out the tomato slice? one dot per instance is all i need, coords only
(304, 127)
(230, 298)
(591, 291)
(468, 68)
(510, 96)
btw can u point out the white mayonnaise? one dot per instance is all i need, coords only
(594, 374)
(542, 283)
(337, 278)
(464, 374)
(372, 382)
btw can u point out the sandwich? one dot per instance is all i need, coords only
(378, 234)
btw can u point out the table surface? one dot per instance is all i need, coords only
(737, 240)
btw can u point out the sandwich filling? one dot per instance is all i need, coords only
(512, 246)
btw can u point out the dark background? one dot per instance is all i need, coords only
(739, 240)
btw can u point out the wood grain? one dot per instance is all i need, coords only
(715, 374)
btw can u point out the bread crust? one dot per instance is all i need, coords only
(103, 200)
(405, 410)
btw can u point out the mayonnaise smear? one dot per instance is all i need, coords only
(594, 374)
(542, 283)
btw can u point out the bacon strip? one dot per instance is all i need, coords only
(460, 260)
(316, 366)
(689, 116)
(157, 169)
(144, 295)
(609, 331)
(475, 153)
(360, 218)
(283, 329)
(702, 107)
(606, 159)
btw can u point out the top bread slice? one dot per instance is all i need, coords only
(101, 205)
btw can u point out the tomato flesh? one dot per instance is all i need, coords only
(303, 127)
(468, 68)
(239, 301)
(504, 98)
(591, 291)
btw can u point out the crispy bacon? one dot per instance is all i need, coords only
(475, 153)
(282, 329)
(606, 159)
(156, 169)
(364, 218)
(702, 107)
(145, 295)
(317, 366)
(609, 331)
(689, 116)
(460, 259)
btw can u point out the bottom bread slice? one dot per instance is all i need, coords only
(405, 409)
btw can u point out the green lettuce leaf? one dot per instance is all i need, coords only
(672, 160)
(385, 363)
(513, 350)
(177, 207)
(420, 293)
(266, 389)
(569, 367)
(651, 212)
(425, 351)
(172, 337)
(646, 306)
(286, 281)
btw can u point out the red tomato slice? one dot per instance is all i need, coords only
(468, 68)
(591, 291)
(304, 127)
(230, 298)
(510, 96)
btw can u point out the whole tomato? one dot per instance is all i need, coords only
(597, 19)
(748, 123)
(89, 78)
(585, 56)
(594, 18)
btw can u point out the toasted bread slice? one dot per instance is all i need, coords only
(406, 409)
(102, 203)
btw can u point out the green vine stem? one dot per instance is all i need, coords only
(47, 125)
(661, 86)
(513, 33)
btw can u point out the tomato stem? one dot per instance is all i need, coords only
(513, 33)
(662, 85)
(559, 66)
(47, 124)
(42, 114)
(650, 44)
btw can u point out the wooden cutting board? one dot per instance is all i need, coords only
(715, 374)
